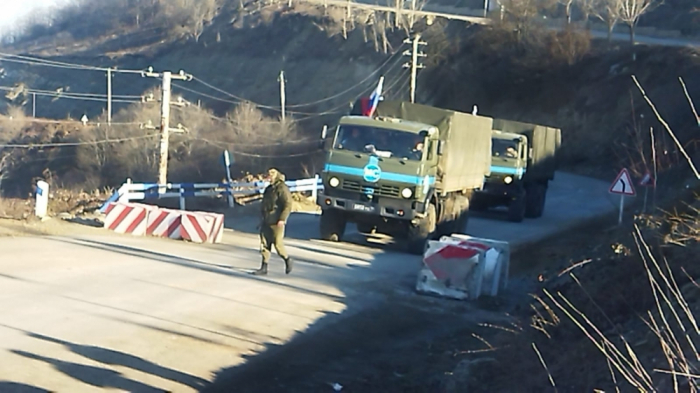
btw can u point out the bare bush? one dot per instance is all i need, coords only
(569, 46)
(190, 15)
(522, 15)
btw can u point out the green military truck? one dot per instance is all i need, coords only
(409, 172)
(524, 160)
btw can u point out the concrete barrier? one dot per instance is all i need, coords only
(148, 220)
(464, 267)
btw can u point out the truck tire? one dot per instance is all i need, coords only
(419, 235)
(516, 208)
(535, 199)
(332, 225)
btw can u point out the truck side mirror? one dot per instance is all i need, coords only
(440, 147)
(324, 132)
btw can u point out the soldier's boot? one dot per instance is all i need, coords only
(288, 265)
(262, 271)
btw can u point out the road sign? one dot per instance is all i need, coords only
(648, 181)
(623, 184)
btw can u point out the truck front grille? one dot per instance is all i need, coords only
(384, 190)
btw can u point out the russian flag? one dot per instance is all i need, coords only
(369, 105)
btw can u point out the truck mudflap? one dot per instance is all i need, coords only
(384, 207)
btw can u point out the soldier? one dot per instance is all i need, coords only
(276, 207)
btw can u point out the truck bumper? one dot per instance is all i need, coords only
(497, 194)
(382, 207)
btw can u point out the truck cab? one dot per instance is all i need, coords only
(509, 157)
(523, 161)
(378, 174)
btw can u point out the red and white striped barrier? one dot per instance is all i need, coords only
(217, 228)
(147, 220)
(461, 267)
(127, 218)
(199, 227)
(164, 223)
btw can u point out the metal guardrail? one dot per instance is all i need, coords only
(149, 191)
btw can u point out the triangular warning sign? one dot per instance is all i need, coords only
(623, 184)
(648, 180)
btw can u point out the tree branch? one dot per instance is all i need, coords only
(667, 127)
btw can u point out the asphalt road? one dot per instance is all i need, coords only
(102, 311)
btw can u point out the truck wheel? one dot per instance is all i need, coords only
(536, 196)
(419, 235)
(332, 225)
(516, 208)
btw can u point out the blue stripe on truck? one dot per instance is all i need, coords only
(397, 177)
(507, 170)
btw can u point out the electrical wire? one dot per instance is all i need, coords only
(219, 144)
(65, 144)
(68, 93)
(59, 64)
(277, 108)
(72, 122)
(69, 96)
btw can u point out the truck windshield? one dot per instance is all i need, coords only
(380, 141)
(504, 148)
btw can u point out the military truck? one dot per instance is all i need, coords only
(523, 161)
(409, 171)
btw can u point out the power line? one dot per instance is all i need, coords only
(72, 122)
(85, 143)
(72, 94)
(277, 108)
(59, 64)
(67, 96)
(220, 144)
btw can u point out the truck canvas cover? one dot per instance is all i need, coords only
(466, 156)
(544, 141)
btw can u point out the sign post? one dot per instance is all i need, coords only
(622, 186)
(227, 160)
(648, 181)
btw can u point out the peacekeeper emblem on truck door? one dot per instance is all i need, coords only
(372, 171)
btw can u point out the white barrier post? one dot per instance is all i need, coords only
(182, 199)
(42, 199)
(314, 190)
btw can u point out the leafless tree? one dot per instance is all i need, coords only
(631, 10)
(568, 5)
(607, 11)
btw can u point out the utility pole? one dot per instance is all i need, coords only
(413, 64)
(283, 98)
(34, 105)
(165, 129)
(109, 96)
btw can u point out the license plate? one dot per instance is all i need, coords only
(361, 207)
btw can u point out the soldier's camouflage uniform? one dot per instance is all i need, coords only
(276, 207)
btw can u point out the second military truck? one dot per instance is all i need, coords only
(409, 172)
(524, 160)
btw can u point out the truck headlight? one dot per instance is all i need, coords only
(406, 193)
(334, 182)
(508, 180)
